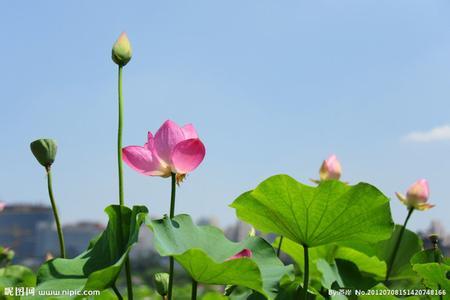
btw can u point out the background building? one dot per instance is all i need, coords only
(76, 237)
(30, 231)
(19, 226)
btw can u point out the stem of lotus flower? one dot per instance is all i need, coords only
(397, 245)
(279, 246)
(194, 290)
(172, 214)
(119, 138)
(62, 248)
(116, 291)
(172, 195)
(120, 171)
(306, 272)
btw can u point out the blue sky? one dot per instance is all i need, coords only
(271, 86)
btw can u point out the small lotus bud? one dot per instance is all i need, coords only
(330, 169)
(10, 255)
(45, 151)
(242, 254)
(6, 254)
(121, 51)
(2, 206)
(252, 231)
(434, 239)
(417, 196)
(49, 256)
(161, 283)
(419, 191)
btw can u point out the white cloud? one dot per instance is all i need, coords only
(441, 133)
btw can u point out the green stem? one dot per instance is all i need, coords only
(172, 213)
(172, 195)
(279, 246)
(116, 291)
(119, 139)
(437, 260)
(62, 248)
(306, 273)
(194, 290)
(120, 171)
(128, 275)
(397, 245)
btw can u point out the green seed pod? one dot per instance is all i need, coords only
(45, 151)
(161, 283)
(121, 51)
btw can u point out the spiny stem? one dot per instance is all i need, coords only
(194, 290)
(172, 213)
(397, 244)
(120, 171)
(62, 248)
(306, 272)
(279, 246)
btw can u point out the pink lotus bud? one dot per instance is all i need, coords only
(417, 196)
(419, 191)
(2, 206)
(242, 254)
(330, 169)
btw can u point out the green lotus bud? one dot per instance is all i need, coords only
(434, 239)
(161, 283)
(6, 254)
(252, 231)
(121, 51)
(45, 151)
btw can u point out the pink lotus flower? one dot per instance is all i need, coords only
(173, 149)
(417, 196)
(330, 169)
(242, 254)
(2, 206)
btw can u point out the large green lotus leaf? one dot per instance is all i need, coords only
(203, 251)
(435, 276)
(98, 267)
(411, 244)
(313, 216)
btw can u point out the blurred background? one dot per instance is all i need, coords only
(271, 87)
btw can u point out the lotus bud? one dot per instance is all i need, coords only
(45, 151)
(246, 253)
(330, 169)
(121, 51)
(6, 254)
(252, 231)
(161, 283)
(417, 196)
(2, 206)
(434, 239)
(49, 256)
